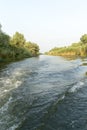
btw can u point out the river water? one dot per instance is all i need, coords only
(43, 93)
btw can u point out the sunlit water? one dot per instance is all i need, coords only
(43, 93)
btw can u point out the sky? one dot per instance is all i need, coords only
(49, 23)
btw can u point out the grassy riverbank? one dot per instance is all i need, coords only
(75, 49)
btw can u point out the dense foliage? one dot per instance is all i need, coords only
(76, 49)
(16, 47)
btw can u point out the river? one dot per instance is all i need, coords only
(43, 93)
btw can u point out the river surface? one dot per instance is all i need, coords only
(44, 93)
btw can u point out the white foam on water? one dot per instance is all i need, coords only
(5, 106)
(81, 83)
(11, 81)
(9, 85)
(8, 81)
(62, 97)
(72, 124)
(13, 127)
(18, 83)
(76, 87)
(5, 90)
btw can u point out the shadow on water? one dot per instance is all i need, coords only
(3, 65)
(71, 57)
(84, 64)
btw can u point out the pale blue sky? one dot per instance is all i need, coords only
(49, 23)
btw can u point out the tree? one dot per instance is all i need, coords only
(18, 40)
(32, 47)
(0, 28)
(84, 38)
(4, 39)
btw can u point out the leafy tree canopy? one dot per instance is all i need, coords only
(0, 28)
(84, 38)
(4, 39)
(34, 48)
(18, 40)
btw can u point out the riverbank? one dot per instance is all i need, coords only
(5, 62)
(78, 49)
(14, 48)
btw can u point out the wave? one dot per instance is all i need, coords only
(5, 106)
(8, 85)
(15, 126)
(10, 80)
(76, 87)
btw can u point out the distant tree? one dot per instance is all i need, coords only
(18, 40)
(4, 39)
(0, 28)
(32, 47)
(84, 38)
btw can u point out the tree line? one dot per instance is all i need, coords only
(75, 49)
(16, 47)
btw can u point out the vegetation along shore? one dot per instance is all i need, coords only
(16, 47)
(75, 49)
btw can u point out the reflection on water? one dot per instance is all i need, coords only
(44, 93)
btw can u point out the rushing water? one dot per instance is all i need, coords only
(44, 93)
